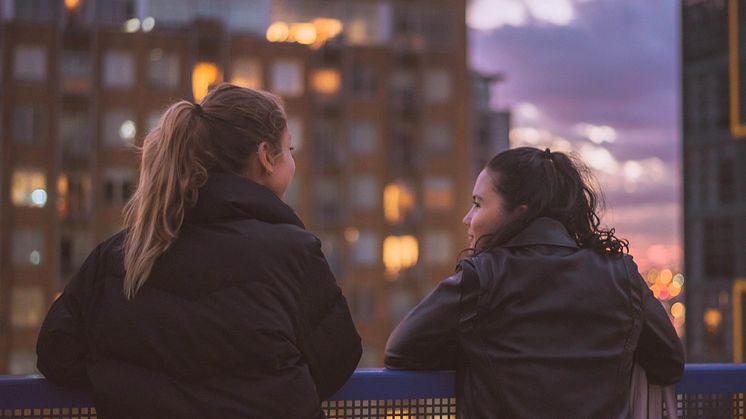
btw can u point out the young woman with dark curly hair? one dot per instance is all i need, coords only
(547, 314)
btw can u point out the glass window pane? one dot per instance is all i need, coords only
(437, 86)
(438, 247)
(30, 63)
(287, 77)
(75, 134)
(119, 69)
(163, 69)
(363, 136)
(27, 307)
(75, 69)
(247, 72)
(119, 128)
(438, 138)
(364, 192)
(28, 246)
(74, 196)
(438, 193)
(29, 125)
(29, 187)
(119, 184)
(366, 250)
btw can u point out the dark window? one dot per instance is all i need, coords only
(718, 248)
(109, 192)
(726, 181)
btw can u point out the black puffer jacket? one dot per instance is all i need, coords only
(240, 318)
(540, 328)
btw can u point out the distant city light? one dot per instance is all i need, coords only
(39, 197)
(278, 32)
(35, 257)
(303, 33)
(132, 25)
(678, 309)
(148, 24)
(128, 130)
(72, 4)
(352, 234)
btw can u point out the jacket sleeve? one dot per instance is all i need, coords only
(659, 350)
(329, 342)
(62, 345)
(427, 338)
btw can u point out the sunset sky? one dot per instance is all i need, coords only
(599, 78)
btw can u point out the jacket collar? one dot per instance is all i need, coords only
(227, 196)
(543, 231)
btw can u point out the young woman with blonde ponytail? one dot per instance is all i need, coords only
(214, 301)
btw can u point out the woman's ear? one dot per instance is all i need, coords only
(266, 158)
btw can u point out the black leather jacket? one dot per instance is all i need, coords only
(540, 328)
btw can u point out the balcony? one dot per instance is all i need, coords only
(705, 391)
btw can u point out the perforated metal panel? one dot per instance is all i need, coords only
(441, 408)
(50, 413)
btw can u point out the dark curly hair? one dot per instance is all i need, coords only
(554, 185)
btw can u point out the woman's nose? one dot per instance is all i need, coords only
(467, 218)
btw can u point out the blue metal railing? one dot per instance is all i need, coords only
(702, 385)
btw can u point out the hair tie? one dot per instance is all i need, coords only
(198, 108)
(547, 154)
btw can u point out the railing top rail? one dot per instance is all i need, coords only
(367, 384)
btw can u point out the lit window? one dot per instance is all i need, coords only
(247, 72)
(22, 363)
(204, 77)
(438, 247)
(326, 81)
(364, 192)
(27, 307)
(163, 69)
(295, 127)
(366, 250)
(287, 77)
(28, 246)
(29, 187)
(398, 201)
(437, 86)
(74, 196)
(119, 128)
(119, 69)
(75, 134)
(363, 137)
(438, 193)
(119, 185)
(29, 125)
(30, 63)
(438, 138)
(399, 252)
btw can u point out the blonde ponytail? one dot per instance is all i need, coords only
(171, 173)
(190, 141)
